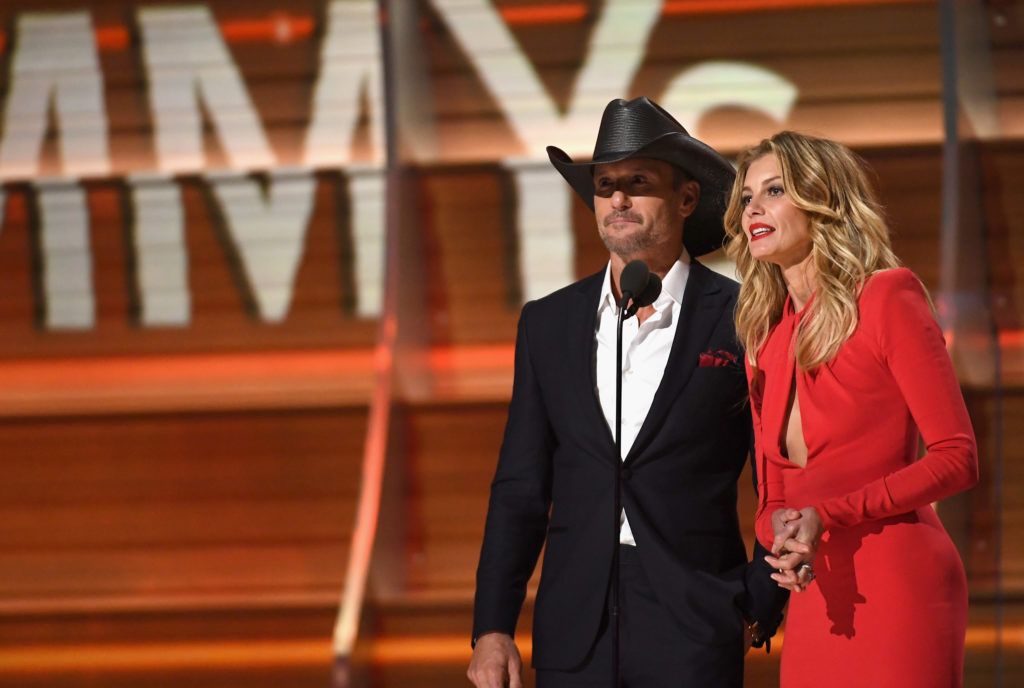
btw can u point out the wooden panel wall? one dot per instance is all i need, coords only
(1002, 165)
(179, 509)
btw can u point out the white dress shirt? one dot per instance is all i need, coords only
(645, 350)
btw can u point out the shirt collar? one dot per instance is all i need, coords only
(672, 286)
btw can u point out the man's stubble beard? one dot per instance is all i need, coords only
(628, 244)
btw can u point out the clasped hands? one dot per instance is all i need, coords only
(797, 534)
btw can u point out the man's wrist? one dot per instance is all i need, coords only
(477, 638)
(758, 636)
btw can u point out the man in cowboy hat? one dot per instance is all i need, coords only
(686, 593)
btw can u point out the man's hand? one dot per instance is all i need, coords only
(496, 662)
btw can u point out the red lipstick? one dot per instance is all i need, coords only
(760, 230)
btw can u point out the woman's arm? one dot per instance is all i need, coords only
(912, 345)
(770, 497)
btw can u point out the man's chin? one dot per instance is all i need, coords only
(624, 246)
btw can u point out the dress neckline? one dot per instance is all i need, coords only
(789, 309)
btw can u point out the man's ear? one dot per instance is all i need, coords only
(689, 195)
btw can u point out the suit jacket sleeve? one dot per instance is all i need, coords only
(764, 599)
(517, 514)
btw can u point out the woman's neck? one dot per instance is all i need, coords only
(801, 281)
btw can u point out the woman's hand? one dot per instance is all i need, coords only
(784, 525)
(797, 534)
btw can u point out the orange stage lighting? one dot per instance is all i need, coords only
(112, 38)
(562, 13)
(1011, 338)
(282, 28)
(568, 12)
(278, 28)
(678, 7)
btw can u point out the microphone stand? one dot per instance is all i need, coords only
(616, 678)
(639, 288)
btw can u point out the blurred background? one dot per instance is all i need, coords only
(261, 267)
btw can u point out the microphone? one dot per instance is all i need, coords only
(638, 285)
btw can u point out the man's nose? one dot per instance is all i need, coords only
(620, 199)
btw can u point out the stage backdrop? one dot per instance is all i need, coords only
(208, 176)
(192, 252)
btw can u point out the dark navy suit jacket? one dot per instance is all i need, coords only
(555, 477)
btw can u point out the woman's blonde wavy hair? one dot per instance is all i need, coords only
(849, 237)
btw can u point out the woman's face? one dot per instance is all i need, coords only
(777, 231)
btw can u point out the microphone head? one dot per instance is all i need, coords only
(634, 280)
(650, 292)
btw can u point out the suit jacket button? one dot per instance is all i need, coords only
(625, 474)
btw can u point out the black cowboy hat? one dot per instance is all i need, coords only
(640, 128)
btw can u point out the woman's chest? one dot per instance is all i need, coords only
(837, 400)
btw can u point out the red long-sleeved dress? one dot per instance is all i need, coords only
(889, 604)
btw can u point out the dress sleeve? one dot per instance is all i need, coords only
(769, 481)
(911, 344)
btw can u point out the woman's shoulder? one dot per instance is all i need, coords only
(880, 287)
(894, 300)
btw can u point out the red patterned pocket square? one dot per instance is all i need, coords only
(716, 359)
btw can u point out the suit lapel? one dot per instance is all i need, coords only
(698, 314)
(580, 361)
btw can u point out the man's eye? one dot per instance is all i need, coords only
(639, 180)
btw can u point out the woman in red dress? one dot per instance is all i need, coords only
(847, 369)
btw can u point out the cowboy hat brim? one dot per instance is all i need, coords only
(703, 231)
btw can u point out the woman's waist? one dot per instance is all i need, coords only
(917, 522)
(835, 474)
